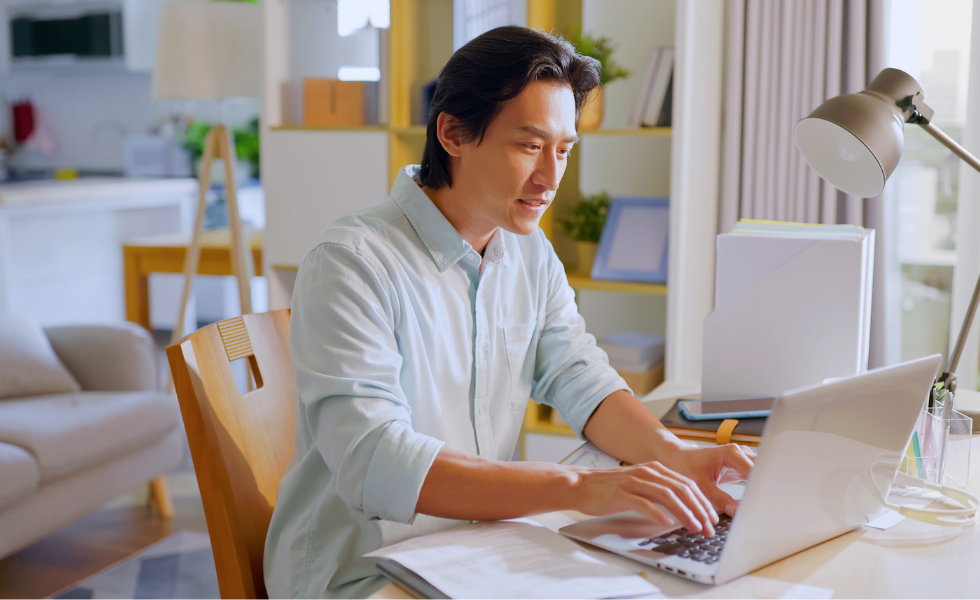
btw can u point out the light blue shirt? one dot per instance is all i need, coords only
(401, 344)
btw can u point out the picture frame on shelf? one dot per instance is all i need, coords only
(633, 245)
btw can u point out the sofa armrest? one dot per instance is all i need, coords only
(112, 358)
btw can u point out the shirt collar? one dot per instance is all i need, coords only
(445, 245)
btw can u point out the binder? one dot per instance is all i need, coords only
(792, 308)
(720, 431)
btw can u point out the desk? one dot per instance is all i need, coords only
(910, 560)
(165, 254)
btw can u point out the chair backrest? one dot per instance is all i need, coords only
(241, 444)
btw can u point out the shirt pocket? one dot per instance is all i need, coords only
(520, 361)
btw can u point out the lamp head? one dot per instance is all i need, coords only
(855, 141)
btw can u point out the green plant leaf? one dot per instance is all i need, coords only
(601, 49)
(584, 220)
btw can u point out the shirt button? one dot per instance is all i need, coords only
(482, 410)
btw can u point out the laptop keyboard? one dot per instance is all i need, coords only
(694, 546)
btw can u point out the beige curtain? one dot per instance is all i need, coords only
(784, 58)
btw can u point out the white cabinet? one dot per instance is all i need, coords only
(61, 244)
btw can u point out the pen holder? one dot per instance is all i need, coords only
(939, 451)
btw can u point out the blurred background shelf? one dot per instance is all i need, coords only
(583, 282)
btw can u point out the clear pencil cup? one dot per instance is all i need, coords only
(939, 451)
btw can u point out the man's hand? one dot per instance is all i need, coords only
(714, 466)
(639, 488)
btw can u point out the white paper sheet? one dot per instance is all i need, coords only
(588, 455)
(512, 559)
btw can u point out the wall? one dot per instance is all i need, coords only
(91, 109)
(91, 114)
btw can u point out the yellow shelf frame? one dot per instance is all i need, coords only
(537, 419)
(583, 282)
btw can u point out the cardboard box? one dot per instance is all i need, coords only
(643, 382)
(333, 103)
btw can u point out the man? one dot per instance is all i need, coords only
(421, 326)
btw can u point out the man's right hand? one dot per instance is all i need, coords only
(640, 488)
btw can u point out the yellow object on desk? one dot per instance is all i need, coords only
(66, 174)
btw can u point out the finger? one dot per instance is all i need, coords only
(649, 509)
(721, 500)
(692, 490)
(658, 492)
(735, 458)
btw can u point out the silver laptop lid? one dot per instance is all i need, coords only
(811, 480)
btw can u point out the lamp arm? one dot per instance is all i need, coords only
(971, 160)
(950, 143)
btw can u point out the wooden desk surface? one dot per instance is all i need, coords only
(166, 253)
(211, 238)
(910, 560)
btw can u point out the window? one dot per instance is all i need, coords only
(931, 42)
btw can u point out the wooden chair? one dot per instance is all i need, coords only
(241, 443)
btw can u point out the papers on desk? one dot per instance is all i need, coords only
(511, 559)
(792, 308)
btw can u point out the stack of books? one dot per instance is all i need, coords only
(652, 102)
(637, 357)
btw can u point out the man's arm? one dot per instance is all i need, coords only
(624, 428)
(460, 486)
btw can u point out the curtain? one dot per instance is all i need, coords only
(782, 60)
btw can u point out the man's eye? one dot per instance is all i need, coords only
(532, 146)
(565, 151)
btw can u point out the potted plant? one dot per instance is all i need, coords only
(583, 223)
(601, 49)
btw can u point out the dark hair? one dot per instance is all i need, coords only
(490, 70)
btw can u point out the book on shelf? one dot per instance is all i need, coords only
(651, 103)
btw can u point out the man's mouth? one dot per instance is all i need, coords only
(533, 203)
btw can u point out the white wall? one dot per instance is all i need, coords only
(311, 178)
(90, 109)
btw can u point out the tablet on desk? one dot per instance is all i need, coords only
(738, 408)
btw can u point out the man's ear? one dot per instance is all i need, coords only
(450, 134)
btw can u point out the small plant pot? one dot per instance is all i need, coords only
(591, 115)
(585, 253)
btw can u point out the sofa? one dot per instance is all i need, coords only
(82, 420)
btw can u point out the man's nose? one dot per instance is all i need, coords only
(548, 173)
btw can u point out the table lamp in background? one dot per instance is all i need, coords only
(211, 51)
(854, 141)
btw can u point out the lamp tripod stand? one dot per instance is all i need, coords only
(218, 145)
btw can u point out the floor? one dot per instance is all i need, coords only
(120, 528)
(104, 537)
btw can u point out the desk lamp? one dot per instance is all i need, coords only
(211, 51)
(854, 141)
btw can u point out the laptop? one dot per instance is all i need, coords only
(825, 453)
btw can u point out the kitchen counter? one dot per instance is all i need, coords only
(85, 189)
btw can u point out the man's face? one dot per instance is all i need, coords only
(510, 179)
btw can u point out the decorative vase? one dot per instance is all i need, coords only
(591, 115)
(585, 252)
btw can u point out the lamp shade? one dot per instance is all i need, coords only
(855, 141)
(208, 50)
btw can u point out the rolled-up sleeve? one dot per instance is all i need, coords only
(346, 361)
(572, 374)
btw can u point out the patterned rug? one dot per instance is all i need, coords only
(178, 566)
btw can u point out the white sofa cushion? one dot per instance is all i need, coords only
(18, 473)
(28, 364)
(65, 432)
